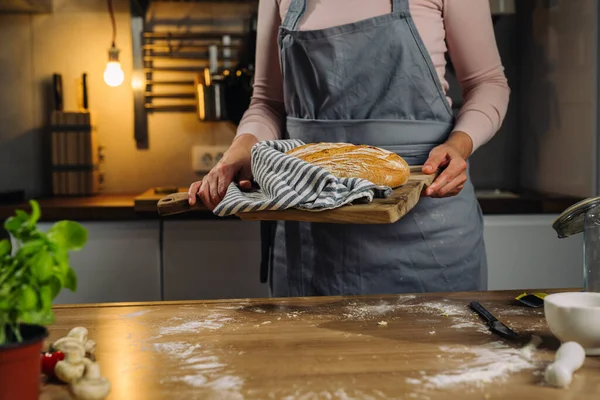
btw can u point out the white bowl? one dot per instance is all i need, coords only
(575, 316)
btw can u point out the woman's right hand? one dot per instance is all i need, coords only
(234, 166)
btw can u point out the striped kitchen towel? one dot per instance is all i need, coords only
(288, 182)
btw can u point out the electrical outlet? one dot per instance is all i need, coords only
(204, 158)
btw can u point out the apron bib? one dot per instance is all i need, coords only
(371, 82)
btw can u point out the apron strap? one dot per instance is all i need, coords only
(294, 13)
(400, 5)
(298, 7)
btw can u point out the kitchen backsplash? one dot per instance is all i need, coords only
(75, 38)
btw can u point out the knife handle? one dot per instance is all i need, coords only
(479, 309)
(57, 89)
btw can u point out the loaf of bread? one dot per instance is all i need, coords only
(344, 160)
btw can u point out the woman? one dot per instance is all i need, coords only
(372, 72)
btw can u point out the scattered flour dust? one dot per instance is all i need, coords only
(212, 322)
(460, 316)
(135, 314)
(198, 364)
(481, 365)
(339, 394)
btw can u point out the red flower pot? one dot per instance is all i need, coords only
(20, 364)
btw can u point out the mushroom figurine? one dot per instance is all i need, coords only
(78, 334)
(72, 367)
(70, 343)
(92, 386)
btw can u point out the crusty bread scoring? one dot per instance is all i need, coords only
(345, 160)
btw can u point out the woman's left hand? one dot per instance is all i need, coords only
(451, 157)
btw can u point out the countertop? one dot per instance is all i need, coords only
(427, 346)
(117, 207)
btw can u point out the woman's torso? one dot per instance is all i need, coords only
(427, 14)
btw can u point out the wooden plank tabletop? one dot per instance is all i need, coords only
(393, 347)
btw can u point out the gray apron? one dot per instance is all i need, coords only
(371, 82)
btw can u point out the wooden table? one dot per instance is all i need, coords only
(393, 347)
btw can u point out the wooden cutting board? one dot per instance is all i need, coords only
(379, 211)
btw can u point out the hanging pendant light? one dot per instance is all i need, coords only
(113, 74)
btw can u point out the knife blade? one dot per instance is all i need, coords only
(495, 326)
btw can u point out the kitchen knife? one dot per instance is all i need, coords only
(57, 89)
(84, 91)
(495, 326)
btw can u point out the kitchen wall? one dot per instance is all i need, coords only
(558, 96)
(74, 39)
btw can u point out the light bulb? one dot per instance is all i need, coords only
(113, 74)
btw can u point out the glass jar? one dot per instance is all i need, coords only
(591, 250)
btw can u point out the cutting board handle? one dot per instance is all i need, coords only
(177, 203)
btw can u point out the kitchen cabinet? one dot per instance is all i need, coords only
(120, 263)
(219, 259)
(524, 252)
(205, 259)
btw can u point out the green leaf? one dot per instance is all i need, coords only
(61, 265)
(41, 266)
(68, 234)
(71, 280)
(14, 224)
(36, 213)
(44, 317)
(5, 304)
(5, 248)
(30, 248)
(55, 286)
(28, 299)
(46, 297)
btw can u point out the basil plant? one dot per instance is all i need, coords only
(34, 268)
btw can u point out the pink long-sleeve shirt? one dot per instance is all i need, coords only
(464, 25)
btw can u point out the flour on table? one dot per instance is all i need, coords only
(338, 394)
(198, 365)
(458, 314)
(135, 314)
(201, 368)
(232, 307)
(357, 311)
(481, 364)
(211, 322)
(177, 349)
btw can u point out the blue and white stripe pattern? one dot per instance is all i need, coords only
(288, 182)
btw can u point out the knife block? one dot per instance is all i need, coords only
(74, 154)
